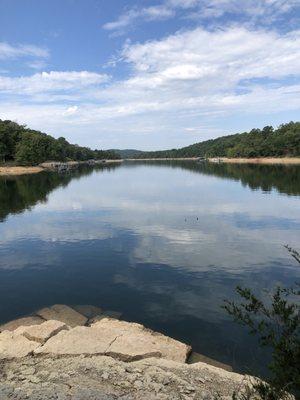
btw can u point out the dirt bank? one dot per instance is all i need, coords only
(262, 160)
(10, 171)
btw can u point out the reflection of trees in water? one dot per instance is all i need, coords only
(283, 178)
(22, 192)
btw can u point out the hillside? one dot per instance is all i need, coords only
(24, 146)
(127, 153)
(266, 142)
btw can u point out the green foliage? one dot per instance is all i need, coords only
(283, 142)
(28, 147)
(278, 326)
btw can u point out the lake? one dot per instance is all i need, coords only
(163, 242)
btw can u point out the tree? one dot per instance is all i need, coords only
(29, 147)
(278, 326)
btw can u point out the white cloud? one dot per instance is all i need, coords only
(191, 78)
(51, 81)
(252, 10)
(8, 51)
(152, 13)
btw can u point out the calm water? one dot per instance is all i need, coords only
(164, 243)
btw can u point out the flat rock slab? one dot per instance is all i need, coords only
(133, 341)
(63, 313)
(13, 345)
(41, 333)
(123, 340)
(79, 340)
(89, 311)
(26, 321)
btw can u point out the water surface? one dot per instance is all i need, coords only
(163, 242)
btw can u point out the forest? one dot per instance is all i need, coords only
(267, 142)
(24, 146)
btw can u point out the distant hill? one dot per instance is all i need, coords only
(266, 142)
(24, 146)
(127, 153)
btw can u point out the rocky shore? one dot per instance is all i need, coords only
(82, 352)
(9, 170)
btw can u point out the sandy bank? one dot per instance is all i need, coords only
(20, 170)
(262, 160)
(9, 171)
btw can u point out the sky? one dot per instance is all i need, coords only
(149, 74)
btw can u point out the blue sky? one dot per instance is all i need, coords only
(149, 74)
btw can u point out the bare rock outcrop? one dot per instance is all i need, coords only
(105, 378)
(109, 360)
(133, 341)
(25, 321)
(41, 333)
(14, 345)
(123, 340)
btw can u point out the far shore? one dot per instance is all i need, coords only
(262, 160)
(162, 159)
(22, 170)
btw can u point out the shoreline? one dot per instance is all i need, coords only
(22, 170)
(16, 171)
(258, 160)
(66, 350)
(48, 166)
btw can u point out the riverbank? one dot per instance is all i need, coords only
(163, 159)
(82, 351)
(62, 166)
(262, 160)
(9, 170)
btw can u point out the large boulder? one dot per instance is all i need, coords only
(133, 341)
(41, 333)
(63, 313)
(13, 345)
(124, 340)
(79, 340)
(25, 321)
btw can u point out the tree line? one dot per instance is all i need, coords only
(267, 142)
(24, 146)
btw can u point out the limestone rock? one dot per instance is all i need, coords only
(133, 341)
(79, 340)
(64, 314)
(41, 333)
(120, 339)
(88, 311)
(26, 321)
(13, 345)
